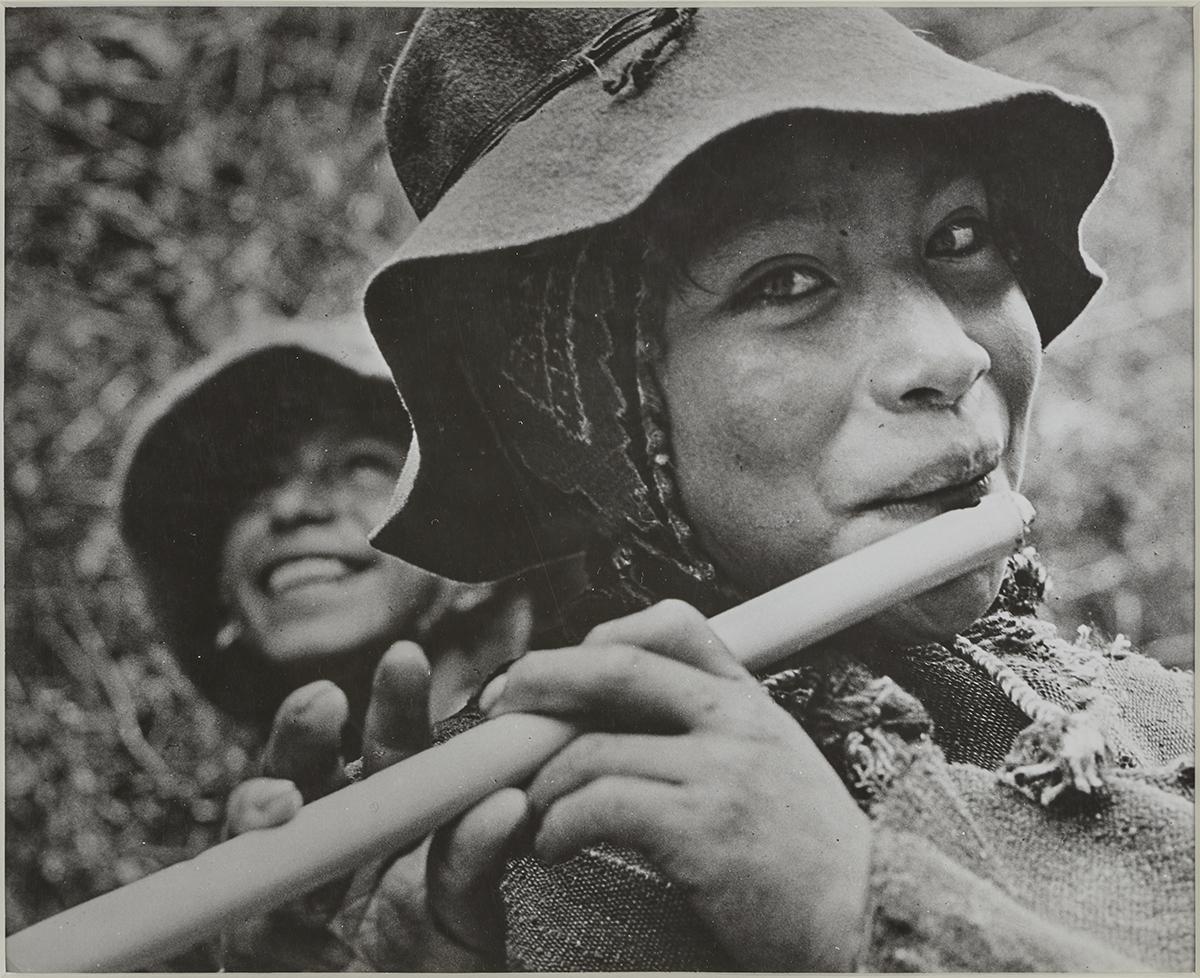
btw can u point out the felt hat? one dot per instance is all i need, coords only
(512, 129)
(185, 463)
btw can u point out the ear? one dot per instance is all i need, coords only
(451, 598)
(228, 634)
(468, 597)
(504, 631)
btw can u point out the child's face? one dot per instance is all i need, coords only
(297, 571)
(846, 353)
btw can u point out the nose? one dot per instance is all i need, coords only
(301, 499)
(927, 359)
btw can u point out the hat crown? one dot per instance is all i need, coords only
(459, 73)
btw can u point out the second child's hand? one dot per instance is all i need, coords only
(302, 762)
(381, 914)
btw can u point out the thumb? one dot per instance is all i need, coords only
(464, 867)
(261, 803)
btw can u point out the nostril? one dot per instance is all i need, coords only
(922, 397)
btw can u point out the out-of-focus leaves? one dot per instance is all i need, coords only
(169, 172)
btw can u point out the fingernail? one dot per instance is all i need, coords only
(312, 697)
(492, 692)
(283, 805)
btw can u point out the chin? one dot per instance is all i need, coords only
(322, 642)
(940, 614)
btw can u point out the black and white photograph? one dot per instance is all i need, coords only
(576, 489)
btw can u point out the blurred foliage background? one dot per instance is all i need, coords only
(173, 172)
(170, 173)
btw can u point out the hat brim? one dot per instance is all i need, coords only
(586, 159)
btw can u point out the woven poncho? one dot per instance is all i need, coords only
(967, 872)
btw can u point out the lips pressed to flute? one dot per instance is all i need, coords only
(175, 908)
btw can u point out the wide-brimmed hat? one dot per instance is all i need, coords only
(184, 465)
(513, 128)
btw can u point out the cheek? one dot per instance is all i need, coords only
(744, 412)
(750, 426)
(1014, 345)
(368, 507)
(240, 542)
(1015, 348)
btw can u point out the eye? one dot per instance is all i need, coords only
(959, 237)
(370, 464)
(782, 284)
(366, 463)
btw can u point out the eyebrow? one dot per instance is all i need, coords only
(942, 169)
(722, 225)
(793, 210)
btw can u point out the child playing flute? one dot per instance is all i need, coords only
(714, 297)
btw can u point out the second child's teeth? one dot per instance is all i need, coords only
(306, 570)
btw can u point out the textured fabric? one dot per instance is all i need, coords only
(967, 873)
(1109, 888)
(963, 701)
(582, 430)
(605, 910)
(472, 509)
(567, 401)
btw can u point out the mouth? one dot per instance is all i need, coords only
(958, 496)
(306, 570)
(955, 482)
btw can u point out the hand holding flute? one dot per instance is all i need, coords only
(688, 760)
(395, 809)
(302, 762)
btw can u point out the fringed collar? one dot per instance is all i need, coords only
(873, 714)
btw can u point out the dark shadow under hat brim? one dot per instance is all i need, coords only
(586, 159)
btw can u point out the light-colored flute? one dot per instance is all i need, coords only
(175, 908)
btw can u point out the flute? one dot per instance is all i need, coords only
(175, 908)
